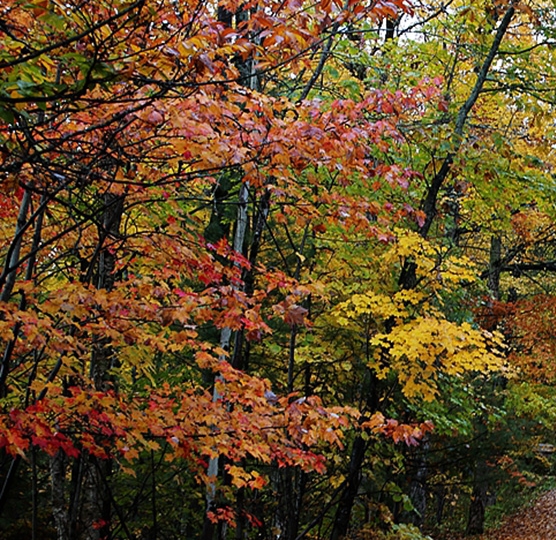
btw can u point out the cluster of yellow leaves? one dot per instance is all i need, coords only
(377, 306)
(421, 348)
(432, 263)
(408, 333)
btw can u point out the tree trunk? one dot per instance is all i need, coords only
(349, 494)
(494, 267)
(418, 486)
(476, 518)
(59, 507)
(90, 506)
(8, 279)
(440, 496)
(347, 499)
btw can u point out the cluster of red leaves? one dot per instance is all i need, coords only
(410, 434)
(247, 420)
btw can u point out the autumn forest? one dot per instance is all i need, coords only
(275, 269)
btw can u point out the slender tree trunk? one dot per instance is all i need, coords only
(225, 339)
(431, 198)
(477, 507)
(494, 267)
(9, 276)
(440, 496)
(347, 499)
(418, 485)
(59, 506)
(95, 511)
(250, 79)
(476, 518)
(353, 480)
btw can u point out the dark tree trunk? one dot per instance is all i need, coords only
(418, 486)
(353, 481)
(347, 499)
(440, 496)
(87, 514)
(476, 518)
(494, 267)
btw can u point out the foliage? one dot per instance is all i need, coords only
(272, 259)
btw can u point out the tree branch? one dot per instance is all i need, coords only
(429, 204)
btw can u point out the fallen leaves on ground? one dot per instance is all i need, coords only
(537, 522)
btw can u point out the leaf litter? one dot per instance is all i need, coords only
(536, 522)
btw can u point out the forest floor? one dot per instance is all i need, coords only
(536, 522)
